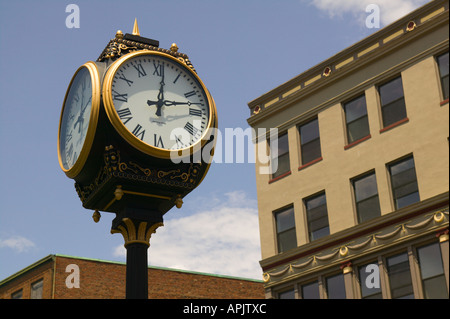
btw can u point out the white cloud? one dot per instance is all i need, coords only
(220, 235)
(18, 243)
(389, 10)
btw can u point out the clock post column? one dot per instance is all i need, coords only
(136, 232)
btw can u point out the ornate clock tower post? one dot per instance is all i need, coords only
(137, 135)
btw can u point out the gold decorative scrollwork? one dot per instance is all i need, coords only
(135, 168)
(188, 176)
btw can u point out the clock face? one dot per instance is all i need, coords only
(159, 101)
(76, 117)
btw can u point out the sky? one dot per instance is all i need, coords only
(240, 48)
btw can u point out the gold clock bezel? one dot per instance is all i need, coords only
(121, 128)
(93, 120)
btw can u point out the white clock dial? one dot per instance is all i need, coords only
(75, 118)
(161, 102)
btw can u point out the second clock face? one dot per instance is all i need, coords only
(75, 118)
(160, 101)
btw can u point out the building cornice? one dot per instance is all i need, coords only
(377, 45)
(335, 248)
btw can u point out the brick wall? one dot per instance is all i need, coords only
(106, 280)
(100, 279)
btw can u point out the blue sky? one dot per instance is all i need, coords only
(240, 48)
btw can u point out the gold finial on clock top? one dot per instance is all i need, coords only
(174, 47)
(135, 28)
(119, 34)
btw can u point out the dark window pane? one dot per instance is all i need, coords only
(283, 144)
(402, 166)
(365, 187)
(444, 73)
(443, 64)
(407, 200)
(403, 190)
(336, 287)
(400, 277)
(285, 219)
(358, 129)
(404, 183)
(287, 240)
(316, 201)
(289, 294)
(309, 131)
(355, 109)
(311, 291)
(281, 166)
(368, 209)
(432, 272)
(445, 87)
(392, 101)
(310, 141)
(394, 112)
(319, 233)
(285, 223)
(391, 91)
(373, 290)
(36, 290)
(311, 151)
(317, 215)
(17, 294)
(366, 197)
(404, 177)
(435, 288)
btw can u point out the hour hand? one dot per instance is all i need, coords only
(150, 103)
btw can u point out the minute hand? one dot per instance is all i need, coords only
(169, 103)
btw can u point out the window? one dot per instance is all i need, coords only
(393, 107)
(317, 215)
(442, 61)
(356, 119)
(285, 223)
(400, 277)
(36, 289)
(310, 141)
(17, 295)
(280, 164)
(432, 272)
(370, 286)
(404, 182)
(366, 197)
(311, 291)
(288, 294)
(336, 287)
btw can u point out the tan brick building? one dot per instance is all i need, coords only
(65, 277)
(358, 206)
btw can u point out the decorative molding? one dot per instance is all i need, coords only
(371, 242)
(119, 46)
(136, 231)
(184, 177)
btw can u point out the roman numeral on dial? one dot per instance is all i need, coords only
(195, 112)
(125, 115)
(138, 132)
(191, 129)
(140, 69)
(120, 97)
(189, 94)
(159, 69)
(122, 77)
(158, 141)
